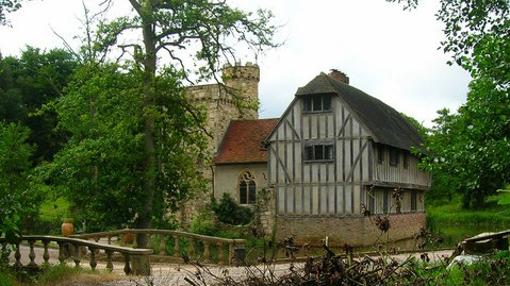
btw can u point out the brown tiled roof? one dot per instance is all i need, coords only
(242, 142)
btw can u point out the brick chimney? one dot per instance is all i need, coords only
(338, 75)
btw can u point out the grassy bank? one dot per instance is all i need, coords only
(56, 275)
(453, 223)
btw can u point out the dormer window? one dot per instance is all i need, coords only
(317, 103)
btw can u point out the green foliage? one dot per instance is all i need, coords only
(100, 168)
(8, 6)
(204, 223)
(16, 200)
(7, 278)
(230, 212)
(453, 223)
(156, 144)
(28, 83)
(468, 151)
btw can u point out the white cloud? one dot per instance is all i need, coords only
(389, 53)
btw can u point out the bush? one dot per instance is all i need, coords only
(229, 212)
(203, 223)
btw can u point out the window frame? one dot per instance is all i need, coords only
(322, 144)
(248, 183)
(394, 157)
(405, 160)
(309, 102)
(380, 153)
(386, 202)
(414, 201)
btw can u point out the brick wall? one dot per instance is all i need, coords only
(355, 231)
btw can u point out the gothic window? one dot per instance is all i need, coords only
(317, 103)
(247, 188)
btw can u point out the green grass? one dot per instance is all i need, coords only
(7, 278)
(53, 275)
(453, 223)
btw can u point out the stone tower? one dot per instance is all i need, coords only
(236, 98)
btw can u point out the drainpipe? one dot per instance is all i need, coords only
(212, 173)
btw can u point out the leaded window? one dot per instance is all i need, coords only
(317, 103)
(318, 152)
(247, 188)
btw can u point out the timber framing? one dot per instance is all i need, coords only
(336, 186)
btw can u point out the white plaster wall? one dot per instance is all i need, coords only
(226, 178)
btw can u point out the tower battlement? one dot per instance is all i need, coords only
(248, 72)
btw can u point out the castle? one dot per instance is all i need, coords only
(236, 99)
(334, 155)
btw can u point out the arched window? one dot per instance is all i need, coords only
(247, 188)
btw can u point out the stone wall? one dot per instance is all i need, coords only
(355, 231)
(266, 210)
(236, 99)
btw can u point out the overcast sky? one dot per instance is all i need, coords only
(388, 53)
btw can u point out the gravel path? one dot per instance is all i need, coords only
(174, 274)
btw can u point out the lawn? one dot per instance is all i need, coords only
(453, 223)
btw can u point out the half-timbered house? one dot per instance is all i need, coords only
(338, 153)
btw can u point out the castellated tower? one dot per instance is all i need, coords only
(236, 98)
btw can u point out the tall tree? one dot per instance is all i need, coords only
(15, 197)
(101, 166)
(28, 83)
(165, 139)
(468, 150)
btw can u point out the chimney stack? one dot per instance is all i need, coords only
(338, 75)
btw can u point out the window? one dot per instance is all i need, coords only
(393, 157)
(318, 152)
(317, 103)
(386, 207)
(380, 153)
(406, 160)
(247, 188)
(413, 201)
(371, 202)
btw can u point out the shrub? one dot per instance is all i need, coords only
(203, 223)
(229, 212)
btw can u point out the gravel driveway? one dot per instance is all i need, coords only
(174, 274)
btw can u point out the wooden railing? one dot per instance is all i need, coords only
(136, 261)
(189, 246)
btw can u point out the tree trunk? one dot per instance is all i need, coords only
(150, 170)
